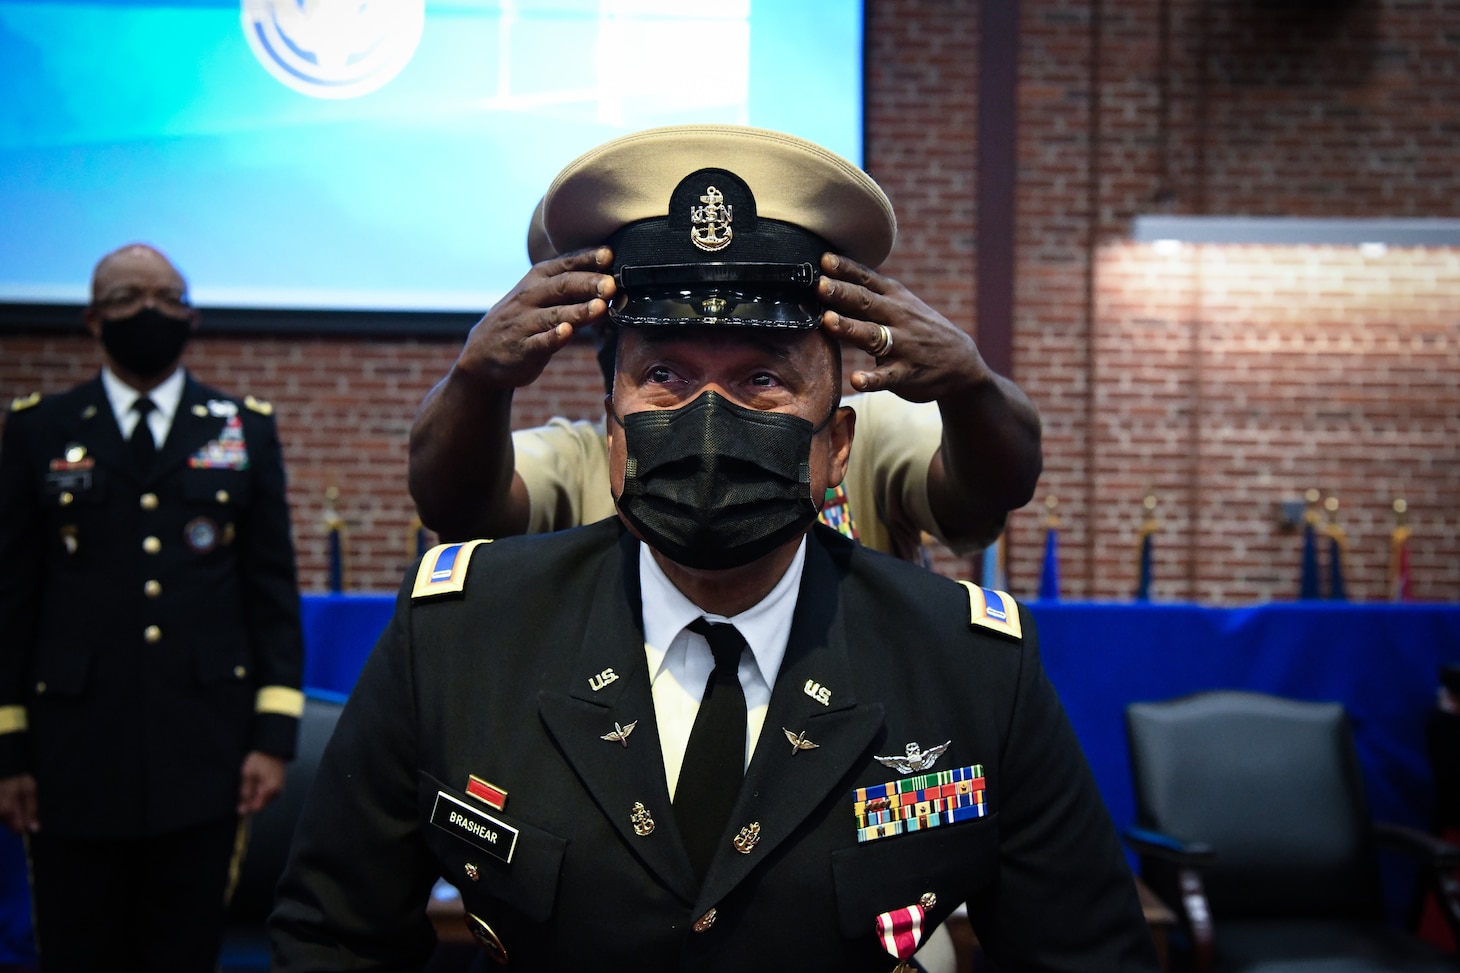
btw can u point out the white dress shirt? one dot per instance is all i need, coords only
(680, 661)
(165, 397)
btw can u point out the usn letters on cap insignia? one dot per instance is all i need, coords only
(992, 609)
(710, 228)
(443, 569)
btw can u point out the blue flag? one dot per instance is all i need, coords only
(1049, 578)
(1143, 564)
(1308, 585)
(993, 566)
(1336, 589)
(336, 556)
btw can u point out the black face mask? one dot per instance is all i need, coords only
(714, 485)
(147, 343)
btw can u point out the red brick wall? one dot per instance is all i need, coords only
(1229, 379)
(1226, 379)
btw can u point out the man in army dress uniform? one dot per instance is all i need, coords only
(706, 734)
(150, 641)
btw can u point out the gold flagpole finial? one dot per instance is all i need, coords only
(332, 516)
(1148, 505)
(334, 529)
(1312, 496)
(1333, 528)
(1051, 519)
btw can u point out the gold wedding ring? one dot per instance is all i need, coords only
(884, 346)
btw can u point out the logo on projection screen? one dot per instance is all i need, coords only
(334, 48)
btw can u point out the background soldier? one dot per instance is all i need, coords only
(150, 642)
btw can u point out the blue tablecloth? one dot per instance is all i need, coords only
(1381, 661)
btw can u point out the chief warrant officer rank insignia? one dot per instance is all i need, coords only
(442, 569)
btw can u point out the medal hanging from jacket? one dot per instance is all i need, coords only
(715, 485)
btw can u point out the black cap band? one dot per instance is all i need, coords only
(760, 295)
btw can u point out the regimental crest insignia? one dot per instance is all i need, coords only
(641, 819)
(710, 228)
(747, 838)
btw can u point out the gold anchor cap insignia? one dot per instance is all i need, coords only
(710, 223)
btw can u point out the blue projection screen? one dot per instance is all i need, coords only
(371, 155)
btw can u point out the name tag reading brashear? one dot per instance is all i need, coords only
(474, 826)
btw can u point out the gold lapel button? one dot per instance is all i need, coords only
(66, 498)
(472, 872)
(152, 634)
(487, 939)
(149, 501)
(221, 496)
(151, 545)
(704, 922)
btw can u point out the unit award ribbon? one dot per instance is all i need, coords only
(900, 932)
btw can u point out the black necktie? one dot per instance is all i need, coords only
(142, 447)
(714, 759)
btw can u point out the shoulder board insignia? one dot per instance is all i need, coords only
(988, 608)
(443, 569)
(260, 406)
(25, 402)
(13, 720)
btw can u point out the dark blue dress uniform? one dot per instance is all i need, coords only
(149, 624)
(502, 735)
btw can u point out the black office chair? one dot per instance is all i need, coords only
(245, 943)
(1251, 821)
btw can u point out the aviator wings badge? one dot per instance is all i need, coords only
(915, 758)
(620, 733)
(799, 741)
